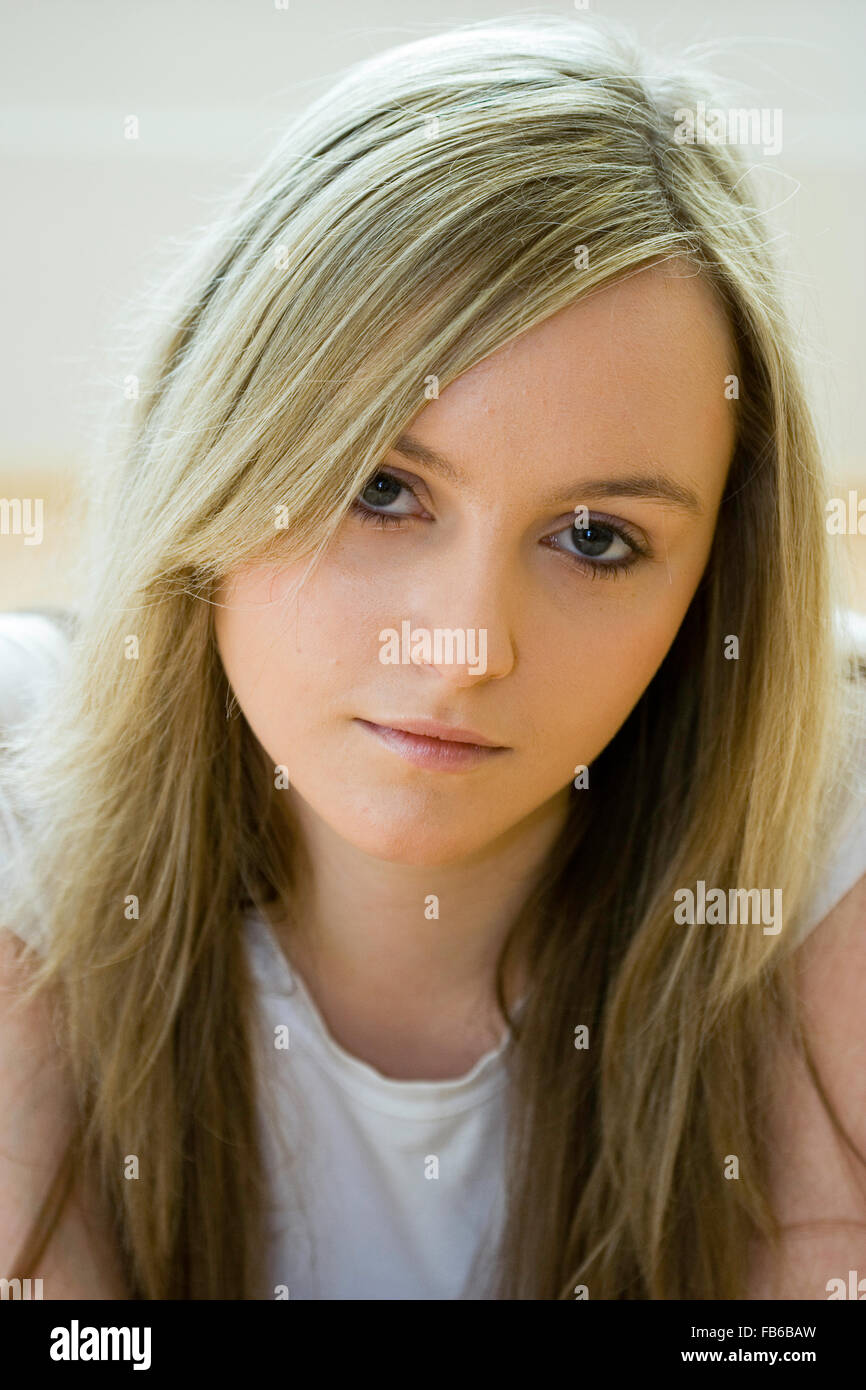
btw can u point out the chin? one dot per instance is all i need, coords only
(420, 845)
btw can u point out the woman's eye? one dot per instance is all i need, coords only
(604, 549)
(382, 491)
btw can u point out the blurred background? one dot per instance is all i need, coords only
(92, 217)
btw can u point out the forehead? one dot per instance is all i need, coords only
(636, 372)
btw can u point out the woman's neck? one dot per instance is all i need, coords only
(400, 959)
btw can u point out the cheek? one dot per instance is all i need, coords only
(599, 665)
(281, 647)
(301, 653)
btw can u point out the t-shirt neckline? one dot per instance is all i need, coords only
(276, 976)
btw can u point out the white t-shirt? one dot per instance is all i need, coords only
(380, 1188)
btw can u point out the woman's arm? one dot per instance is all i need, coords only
(36, 1117)
(815, 1177)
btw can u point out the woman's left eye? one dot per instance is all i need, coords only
(602, 548)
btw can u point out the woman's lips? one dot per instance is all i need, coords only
(442, 753)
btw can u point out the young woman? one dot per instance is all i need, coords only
(417, 838)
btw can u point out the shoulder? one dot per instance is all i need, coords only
(830, 958)
(818, 1186)
(32, 647)
(38, 1110)
(844, 862)
(37, 1101)
(831, 980)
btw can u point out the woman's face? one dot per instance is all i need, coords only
(616, 404)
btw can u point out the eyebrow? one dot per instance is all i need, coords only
(656, 486)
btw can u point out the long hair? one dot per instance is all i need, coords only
(417, 217)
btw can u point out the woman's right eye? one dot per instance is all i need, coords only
(382, 490)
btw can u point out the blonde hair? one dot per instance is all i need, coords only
(423, 212)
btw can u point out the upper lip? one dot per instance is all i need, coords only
(430, 728)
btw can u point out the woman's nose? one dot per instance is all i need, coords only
(462, 624)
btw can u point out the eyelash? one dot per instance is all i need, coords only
(369, 516)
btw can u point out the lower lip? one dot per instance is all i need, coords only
(438, 753)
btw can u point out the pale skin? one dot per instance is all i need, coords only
(595, 392)
(628, 382)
